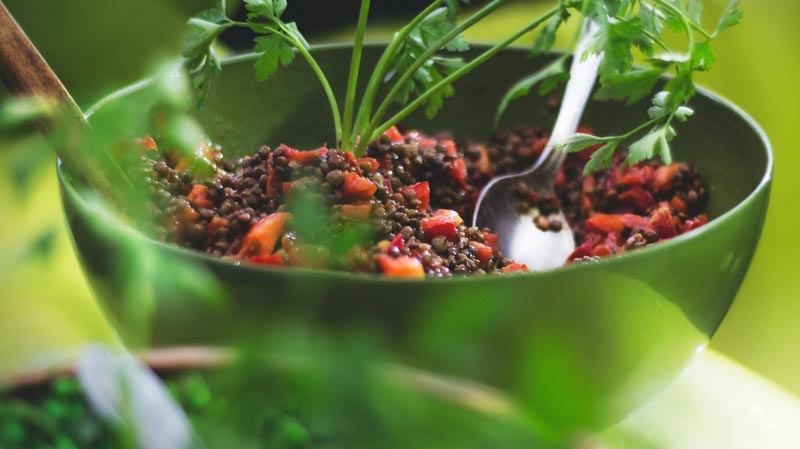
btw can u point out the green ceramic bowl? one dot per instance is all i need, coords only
(577, 347)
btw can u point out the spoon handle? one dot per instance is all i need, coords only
(583, 74)
(26, 74)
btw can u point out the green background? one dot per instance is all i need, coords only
(96, 46)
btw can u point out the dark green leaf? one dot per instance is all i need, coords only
(732, 16)
(579, 142)
(703, 56)
(655, 143)
(269, 9)
(546, 39)
(651, 20)
(436, 26)
(629, 86)
(555, 70)
(272, 51)
(601, 158)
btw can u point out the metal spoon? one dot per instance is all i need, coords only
(520, 238)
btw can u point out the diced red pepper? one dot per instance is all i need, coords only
(679, 204)
(485, 252)
(397, 243)
(351, 159)
(261, 239)
(694, 223)
(303, 157)
(515, 268)
(602, 250)
(664, 175)
(269, 259)
(458, 170)
(373, 163)
(637, 197)
(636, 176)
(492, 239)
(357, 187)
(356, 211)
(394, 134)
(200, 197)
(404, 267)
(450, 148)
(611, 224)
(422, 190)
(663, 222)
(443, 222)
(586, 248)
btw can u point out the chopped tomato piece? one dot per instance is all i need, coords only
(679, 204)
(351, 159)
(423, 193)
(394, 134)
(694, 223)
(492, 239)
(356, 211)
(357, 187)
(269, 259)
(397, 243)
(602, 250)
(611, 224)
(200, 197)
(585, 249)
(485, 252)
(443, 222)
(261, 239)
(303, 157)
(450, 148)
(515, 268)
(458, 170)
(637, 197)
(664, 222)
(664, 176)
(401, 267)
(373, 163)
(636, 176)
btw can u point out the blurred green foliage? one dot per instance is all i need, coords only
(96, 46)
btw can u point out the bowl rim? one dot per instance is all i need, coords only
(762, 185)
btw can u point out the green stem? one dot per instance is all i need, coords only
(419, 101)
(365, 110)
(326, 86)
(424, 57)
(286, 35)
(352, 81)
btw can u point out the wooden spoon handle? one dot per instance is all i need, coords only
(26, 74)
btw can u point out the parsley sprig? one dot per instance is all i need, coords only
(627, 27)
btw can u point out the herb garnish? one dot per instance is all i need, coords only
(627, 26)
(420, 75)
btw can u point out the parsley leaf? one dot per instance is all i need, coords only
(270, 9)
(556, 71)
(601, 158)
(628, 86)
(732, 16)
(579, 142)
(273, 51)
